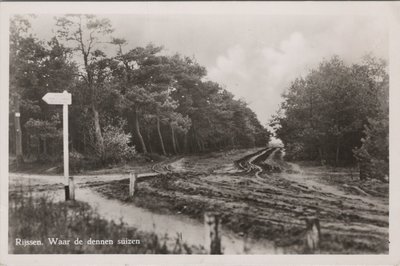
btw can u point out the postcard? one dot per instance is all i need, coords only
(200, 133)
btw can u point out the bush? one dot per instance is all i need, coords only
(79, 162)
(116, 144)
(373, 155)
(294, 151)
(45, 139)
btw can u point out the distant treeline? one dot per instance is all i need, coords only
(138, 100)
(339, 114)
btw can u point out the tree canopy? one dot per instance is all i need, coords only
(137, 100)
(337, 111)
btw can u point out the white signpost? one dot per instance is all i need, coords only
(63, 99)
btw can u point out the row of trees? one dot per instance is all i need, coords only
(338, 114)
(135, 100)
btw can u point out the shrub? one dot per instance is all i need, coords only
(79, 162)
(45, 138)
(373, 155)
(294, 151)
(116, 144)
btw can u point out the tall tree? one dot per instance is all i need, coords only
(323, 114)
(38, 67)
(373, 154)
(84, 34)
(135, 76)
(169, 105)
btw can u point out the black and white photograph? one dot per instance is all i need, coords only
(155, 131)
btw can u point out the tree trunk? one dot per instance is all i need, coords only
(185, 142)
(38, 148)
(28, 145)
(84, 143)
(173, 138)
(45, 146)
(198, 144)
(202, 145)
(363, 170)
(178, 145)
(97, 130)
(18, 133)
(137, 131)
(148, 138)
(321, 157)
(337, 154)
(160, 136)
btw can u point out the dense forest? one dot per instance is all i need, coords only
(338, 114)
(138, 100)
(145, 101)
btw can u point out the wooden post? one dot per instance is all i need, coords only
(63, 99)
(71, 188)
(65, 140)
(178, 244)
(18, 133)
(213, 234)
(313, 234)
(132, 184)
(66, 188)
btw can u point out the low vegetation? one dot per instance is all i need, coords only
(40, 218)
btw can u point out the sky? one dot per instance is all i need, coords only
(253, 56)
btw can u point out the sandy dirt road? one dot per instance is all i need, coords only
(269, 198)
(261, 198)
(167, 226)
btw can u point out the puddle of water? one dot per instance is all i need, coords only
(228, 168)
(295, 168)
(192, 231)
(178, 166)
(305, 178)
(16, 179)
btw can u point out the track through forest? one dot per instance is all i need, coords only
(258, 195)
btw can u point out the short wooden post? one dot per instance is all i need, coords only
(213, 233)
(178, 244)
(132, 184)
(66, 189)
(313, 234)
(71, 188)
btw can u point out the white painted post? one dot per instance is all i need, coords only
(68, 181)
(63, 99)
(132, 184)
(313, 234)
(65, 139)
(212, 227)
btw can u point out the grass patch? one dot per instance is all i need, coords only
(39, 219)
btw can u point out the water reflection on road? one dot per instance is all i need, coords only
(191, 230)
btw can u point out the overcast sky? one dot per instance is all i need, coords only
(254, 57)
